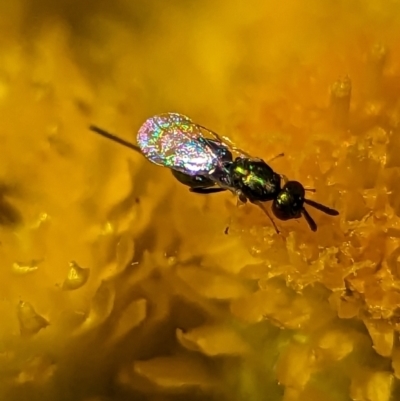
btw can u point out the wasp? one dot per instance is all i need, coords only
(204, 161)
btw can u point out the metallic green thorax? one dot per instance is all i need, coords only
(256, 180)
(250, 178)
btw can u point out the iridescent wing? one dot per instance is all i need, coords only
(173, 140)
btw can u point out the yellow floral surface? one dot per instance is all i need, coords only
(116, 283)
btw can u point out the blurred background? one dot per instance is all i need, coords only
(116, 283)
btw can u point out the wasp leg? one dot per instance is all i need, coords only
(241, 199)
(264, 209)
(193, 181)
(206, 190)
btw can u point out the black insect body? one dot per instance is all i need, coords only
(207, 166)
(251, 179)
(255, 180)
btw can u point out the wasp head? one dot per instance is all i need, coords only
(290, 201)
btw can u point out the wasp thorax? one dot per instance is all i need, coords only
(255, 179)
